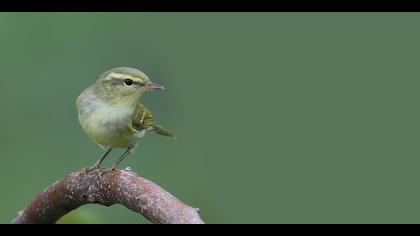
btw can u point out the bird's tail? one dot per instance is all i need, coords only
(162, 131)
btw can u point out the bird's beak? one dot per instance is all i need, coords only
(153, 86)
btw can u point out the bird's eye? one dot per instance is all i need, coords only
(128, 82)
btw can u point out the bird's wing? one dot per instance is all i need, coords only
(143, 120)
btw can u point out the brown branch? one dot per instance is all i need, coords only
(107, 187)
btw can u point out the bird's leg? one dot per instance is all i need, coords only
(98, 163)
(122, 157)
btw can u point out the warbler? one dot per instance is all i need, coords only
(111, 114)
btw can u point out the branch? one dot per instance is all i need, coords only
(107, 187)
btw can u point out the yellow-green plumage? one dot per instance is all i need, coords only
(143, 120)
(110, 111)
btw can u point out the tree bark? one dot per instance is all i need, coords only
(107, 187)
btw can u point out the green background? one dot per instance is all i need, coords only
(279, 117)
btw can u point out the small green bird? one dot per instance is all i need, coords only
(111, 114)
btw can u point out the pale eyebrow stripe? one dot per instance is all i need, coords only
(114, 75)
(118, 76)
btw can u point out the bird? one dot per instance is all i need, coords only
(111, 114)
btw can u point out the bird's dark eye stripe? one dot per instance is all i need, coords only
(128, 82)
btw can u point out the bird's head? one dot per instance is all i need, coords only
(125, 82)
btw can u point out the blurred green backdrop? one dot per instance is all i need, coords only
(279, 117)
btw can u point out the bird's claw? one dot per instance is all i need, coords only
(102, 172)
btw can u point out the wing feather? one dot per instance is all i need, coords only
(143, 120)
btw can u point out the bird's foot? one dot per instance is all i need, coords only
(89, 169)
(104, 171)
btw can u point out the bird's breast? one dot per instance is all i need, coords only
(108, 125)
